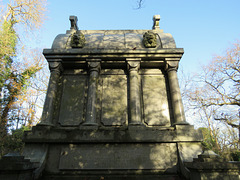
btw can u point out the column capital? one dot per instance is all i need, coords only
(94, 64)
(133, 64)
(55, 66)
(171, 64)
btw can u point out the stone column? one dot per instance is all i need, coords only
(94, 69)
(178, 111)
(47, 115)
(135, 102)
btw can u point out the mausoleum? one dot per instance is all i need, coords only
(113, 110)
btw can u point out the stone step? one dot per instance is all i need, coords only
(112, 177)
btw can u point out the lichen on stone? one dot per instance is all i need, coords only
(77, 40)
(149, 39)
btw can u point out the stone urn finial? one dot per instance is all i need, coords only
(73, 21)
(156, 20)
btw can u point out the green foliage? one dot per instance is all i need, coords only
(27, 74)
(8, 42)
(16, 74)
(8, 38)
(13, 142)
(209, 142)
(13, 82)
(235, 155)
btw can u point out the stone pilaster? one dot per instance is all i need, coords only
(178, 110)
(135, 102)
(94, 69)
(48, 109)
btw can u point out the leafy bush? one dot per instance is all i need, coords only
(13, 142)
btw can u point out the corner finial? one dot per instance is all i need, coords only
(156, 20)
(73, 20)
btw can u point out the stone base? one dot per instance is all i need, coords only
(112, 159)
(90, 152)
(137, 156)
(112, 177)
(110, 153)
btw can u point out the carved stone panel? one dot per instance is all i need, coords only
(114, 100)
(72, 103)
(119, 156)
(155, 101)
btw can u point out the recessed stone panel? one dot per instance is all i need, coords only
(118, 156)
(72, 103)
(114, 100)
(155, 101)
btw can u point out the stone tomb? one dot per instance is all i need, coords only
(113, 108)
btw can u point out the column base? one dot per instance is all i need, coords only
(90, 124)
(45, 124)
(181, 123)
(136, 124)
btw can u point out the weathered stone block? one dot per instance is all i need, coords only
(119, 156)
(189, 150)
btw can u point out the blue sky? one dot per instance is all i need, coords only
(203, 28)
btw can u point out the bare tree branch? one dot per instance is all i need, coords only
(140, 4)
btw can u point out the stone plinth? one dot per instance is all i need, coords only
(131, 152)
